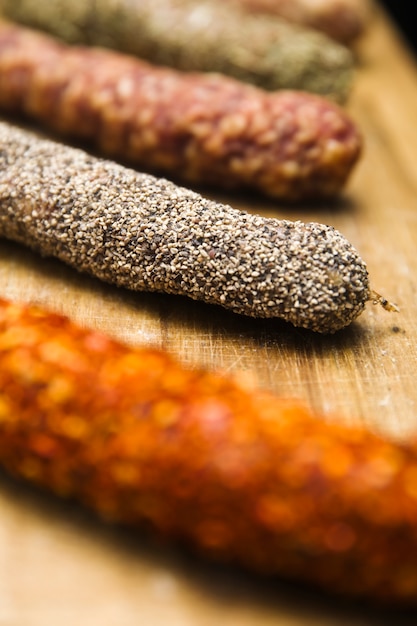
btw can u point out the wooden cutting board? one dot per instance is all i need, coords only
(59, 566)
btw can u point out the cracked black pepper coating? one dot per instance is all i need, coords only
(143, 233)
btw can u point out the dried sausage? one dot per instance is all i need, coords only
(204, 129)
(343, 20)
(238, 473)
(203, 35)
(144, 233)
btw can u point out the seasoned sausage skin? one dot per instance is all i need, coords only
(200, 35)
(237, 473)
(144, 233)
(342, 20)
(204, 129)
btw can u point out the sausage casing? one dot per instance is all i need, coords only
(144, 233)
(343, 20)
(200, 35)
(239, 473)
(205, 129)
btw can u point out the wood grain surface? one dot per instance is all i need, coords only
(59, 566)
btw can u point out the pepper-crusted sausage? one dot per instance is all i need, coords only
(202, 128)
(144, 233)
(343, 20)
(237, 472)
(199, 35)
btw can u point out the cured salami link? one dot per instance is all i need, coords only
(144, 233)
(204, 129)
(239, 474)
(200, 35)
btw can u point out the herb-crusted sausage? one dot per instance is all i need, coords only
(201, 128)
(237, 472)
(199, 35)
(144, 233)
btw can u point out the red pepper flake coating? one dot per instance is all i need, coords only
(238, 473)
(200, 128)
(343, 20)
(147, 234)
(200, 35)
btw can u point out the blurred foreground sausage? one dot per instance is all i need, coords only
(236, 472)
(200, 128)
(342, 20)
(147, 234)
(199, 35)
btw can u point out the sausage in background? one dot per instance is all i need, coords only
(204, 129)
(200, 35)
(342, 20)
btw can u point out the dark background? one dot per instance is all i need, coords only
(403, 19)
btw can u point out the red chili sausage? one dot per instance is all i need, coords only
(237, 473)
